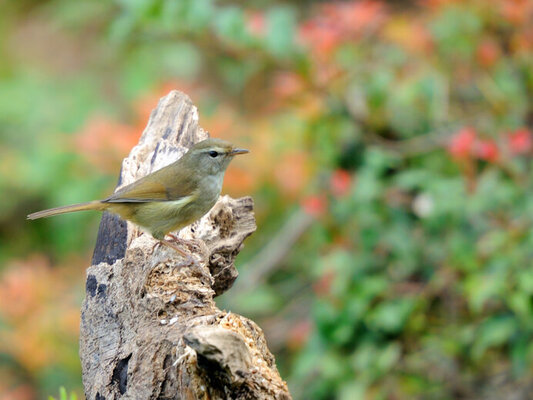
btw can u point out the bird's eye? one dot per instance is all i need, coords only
(213, 153)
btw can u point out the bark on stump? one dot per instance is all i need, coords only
(150, 328)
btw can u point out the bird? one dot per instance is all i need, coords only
(170, 198)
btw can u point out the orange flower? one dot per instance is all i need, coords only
(36, 302)
(292, 173)
(337, 22)
(238, 181)
(353, 17)
(436, 4)
(320, 36)
(287, 84)
(20, 392)
(488, 52)
(517, 12)
(105, 141)
(221, 123)
(412, 35)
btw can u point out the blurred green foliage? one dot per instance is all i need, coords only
(64, 396)
(400, 130)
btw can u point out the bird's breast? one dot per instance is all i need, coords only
(211, 186)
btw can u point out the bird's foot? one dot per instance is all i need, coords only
(174, 246)
(156, 245)
(193, 245)
(189, 259)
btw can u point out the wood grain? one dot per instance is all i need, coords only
(150, 328)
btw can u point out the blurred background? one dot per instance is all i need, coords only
(391, 171)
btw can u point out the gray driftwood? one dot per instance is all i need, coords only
(150, 328)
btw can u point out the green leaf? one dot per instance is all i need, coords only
(494, 332)
(352, 391)
(279, 38)
(390, 316)
(230, 25)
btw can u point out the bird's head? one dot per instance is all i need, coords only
(212, 156)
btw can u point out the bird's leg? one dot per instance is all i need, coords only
(188, 258)
(173, 246)
(199, 244)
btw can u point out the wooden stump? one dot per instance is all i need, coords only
(150, 328)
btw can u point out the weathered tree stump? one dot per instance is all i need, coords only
(150, 328)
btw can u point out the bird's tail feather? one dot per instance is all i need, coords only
(91, 205)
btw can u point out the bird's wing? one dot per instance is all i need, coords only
(148, 191)
(158, 186)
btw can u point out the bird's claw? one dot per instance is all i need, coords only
(189, 259)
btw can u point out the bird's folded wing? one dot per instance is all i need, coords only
(158, 186)
(135, 193)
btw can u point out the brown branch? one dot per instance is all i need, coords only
(150, 328)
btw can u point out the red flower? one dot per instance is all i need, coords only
(520, 141)
(487, 150)
(322, 286)
(340, 182)
(462, 143)
(255, 23)
(287, 84)
(298, 334)
(320, 36)
(314, 205)
(339, 21)
(488, 53)
(353, 17)
(517, 12)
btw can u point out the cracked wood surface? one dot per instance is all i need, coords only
(150, 328)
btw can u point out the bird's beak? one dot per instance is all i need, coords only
(234, 152)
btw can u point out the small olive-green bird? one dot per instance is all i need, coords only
(170, 198)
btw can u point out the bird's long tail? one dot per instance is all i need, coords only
(91, 205)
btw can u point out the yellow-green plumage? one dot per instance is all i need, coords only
(170, 198)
